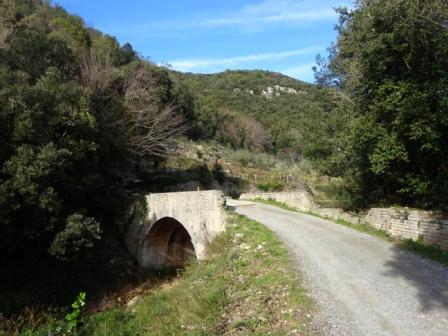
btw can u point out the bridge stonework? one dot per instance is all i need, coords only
(165, 229)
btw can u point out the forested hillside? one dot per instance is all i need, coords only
(262, 111)
(79, 114)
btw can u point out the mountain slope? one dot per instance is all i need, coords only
(257, 110)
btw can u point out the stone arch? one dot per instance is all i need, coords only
(167, 244)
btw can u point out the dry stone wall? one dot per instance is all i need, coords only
(298, 199)
(336, 214)
(428, 226)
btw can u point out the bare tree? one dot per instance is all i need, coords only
(97, 73)
(153, 133)
(153, 130)
(149, 131)
(256, 137)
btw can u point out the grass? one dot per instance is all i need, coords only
(419, 247)
(425, 250)
(246, 287)
(273, 202)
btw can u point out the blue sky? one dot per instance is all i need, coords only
(208, 36)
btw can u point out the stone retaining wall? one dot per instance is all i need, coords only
(299, 199)
(335, 214)
(406, 223)
(429, 226)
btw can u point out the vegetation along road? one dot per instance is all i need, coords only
(362, 285)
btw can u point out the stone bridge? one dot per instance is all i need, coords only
(167, 229)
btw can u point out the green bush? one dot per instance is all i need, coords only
(270, 186)
(79, 233)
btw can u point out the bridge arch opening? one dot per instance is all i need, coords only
(167, 244)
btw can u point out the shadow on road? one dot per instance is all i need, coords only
(427, 277)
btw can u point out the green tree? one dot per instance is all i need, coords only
(78, 113)
(391, 63)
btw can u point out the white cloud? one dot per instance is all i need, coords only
(277, 18)
(276, 11)
(303, 71)
(192, 64)
(254, 17)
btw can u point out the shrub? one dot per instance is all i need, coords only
(79, 233)
(271, 186)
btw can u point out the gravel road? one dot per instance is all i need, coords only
(362, 285)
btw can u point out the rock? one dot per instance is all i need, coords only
(244, 246)
(133, 301)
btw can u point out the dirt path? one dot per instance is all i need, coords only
(362, 285)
